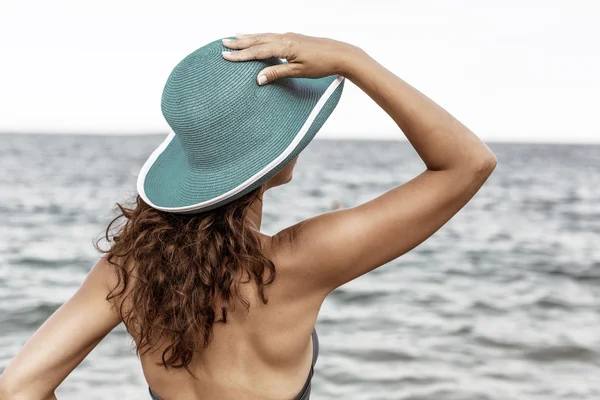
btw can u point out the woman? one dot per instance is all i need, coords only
(219, 310)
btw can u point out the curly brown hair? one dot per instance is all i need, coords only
(175, 269)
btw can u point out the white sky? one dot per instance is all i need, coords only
(511, 70)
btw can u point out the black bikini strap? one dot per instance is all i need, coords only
(315, 339)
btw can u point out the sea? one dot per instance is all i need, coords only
(501, 303)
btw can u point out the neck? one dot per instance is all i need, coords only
(254, 216)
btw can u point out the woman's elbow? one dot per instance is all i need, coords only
(485, 165)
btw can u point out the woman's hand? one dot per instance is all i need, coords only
(306, 56)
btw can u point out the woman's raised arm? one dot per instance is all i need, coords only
(336, 247)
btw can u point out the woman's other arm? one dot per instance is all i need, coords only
(62, 342)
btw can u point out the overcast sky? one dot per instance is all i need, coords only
(511, 70)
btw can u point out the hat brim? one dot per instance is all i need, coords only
(169, 183)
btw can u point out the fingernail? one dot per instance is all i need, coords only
(226, 40)
(225, 53)
(262, 79)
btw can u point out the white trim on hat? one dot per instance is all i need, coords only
(158, 151)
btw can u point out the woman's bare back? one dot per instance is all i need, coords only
(265, 353)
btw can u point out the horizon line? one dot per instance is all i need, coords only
(327, 138)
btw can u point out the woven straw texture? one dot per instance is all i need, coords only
(228, 128)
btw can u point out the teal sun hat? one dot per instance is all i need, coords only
(228, 134)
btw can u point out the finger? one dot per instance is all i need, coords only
(248, 41)
(279, 71)
(239, 35)
(239, 44)
(256, 52)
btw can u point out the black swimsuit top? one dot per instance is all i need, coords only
(305, 392)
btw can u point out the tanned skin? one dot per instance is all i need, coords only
(266, 354)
